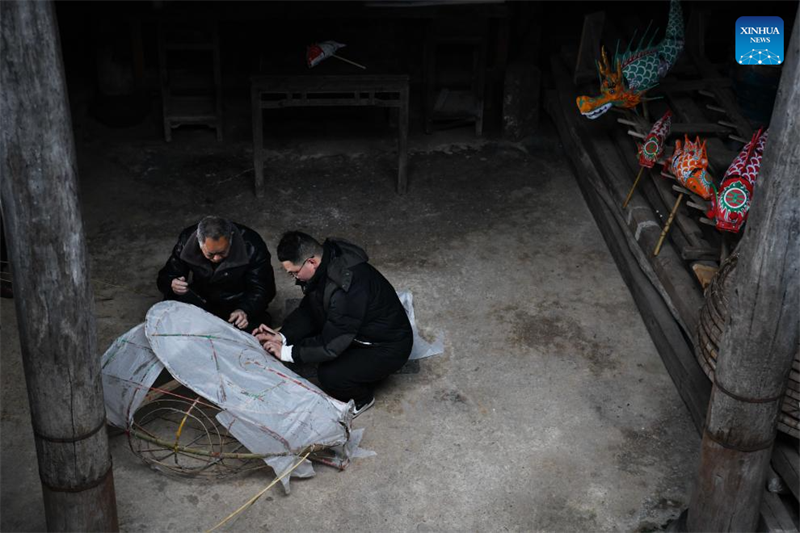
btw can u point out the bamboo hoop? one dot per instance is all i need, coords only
(211, 451)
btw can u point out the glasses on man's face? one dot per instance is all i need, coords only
(294, 273)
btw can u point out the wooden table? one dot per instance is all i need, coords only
(325, 91)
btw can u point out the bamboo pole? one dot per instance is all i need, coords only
(667, 225)
(633, 187)
(49, 264)
(340, 58)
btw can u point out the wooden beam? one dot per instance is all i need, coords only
(49, 263)
(762, 332)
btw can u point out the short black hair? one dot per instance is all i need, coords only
(296, 247)
(213, 227)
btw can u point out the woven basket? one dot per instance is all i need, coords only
(710, 328)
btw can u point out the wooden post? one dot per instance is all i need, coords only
(258, 138)
(52, 291)
(402, 142)
(761, 336)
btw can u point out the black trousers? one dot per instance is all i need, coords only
(353, 374)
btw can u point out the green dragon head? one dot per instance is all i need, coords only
(613, 91)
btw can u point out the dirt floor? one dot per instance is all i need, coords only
(550, 409)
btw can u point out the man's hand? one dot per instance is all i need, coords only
(238, 318)
(270, 340)
(263, 328)
(179, 286)
(274, 347)
(264, 334)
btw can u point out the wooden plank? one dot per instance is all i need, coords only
(674, 279)
(775, 515)
(646, 226)
(677, 355)
(699, 253)
(661, 325)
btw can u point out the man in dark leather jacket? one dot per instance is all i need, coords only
(350, 320)
(223, 268)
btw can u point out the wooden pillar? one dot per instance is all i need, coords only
(402, 141)
(258, 138)
(52, 293)
(761, 336)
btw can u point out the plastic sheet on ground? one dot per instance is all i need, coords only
(421, 348)
(267, 407)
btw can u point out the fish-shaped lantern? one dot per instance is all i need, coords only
(651, 149)
(653, 145)
(729, 208)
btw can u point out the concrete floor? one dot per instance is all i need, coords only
(550, 409)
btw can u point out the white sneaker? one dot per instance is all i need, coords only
(363, 407)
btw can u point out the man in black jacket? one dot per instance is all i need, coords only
(350, 320)
(223, 268)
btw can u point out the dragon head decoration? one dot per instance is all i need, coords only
(613, 91)
(625, 80)
(689, 165)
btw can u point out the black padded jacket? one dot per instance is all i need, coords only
(346, 301)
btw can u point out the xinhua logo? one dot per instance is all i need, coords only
(759, 41)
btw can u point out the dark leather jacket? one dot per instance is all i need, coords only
(244, 280)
